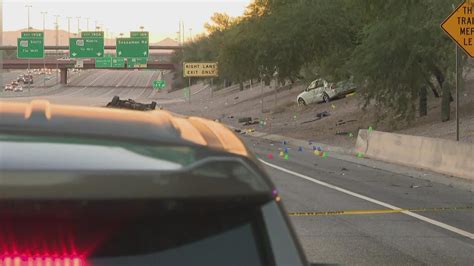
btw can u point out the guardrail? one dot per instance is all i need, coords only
(438, 155)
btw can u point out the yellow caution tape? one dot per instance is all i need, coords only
(386, 211)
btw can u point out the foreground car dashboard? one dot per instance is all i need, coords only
(98, 186)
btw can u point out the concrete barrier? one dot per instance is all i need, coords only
(437, 155)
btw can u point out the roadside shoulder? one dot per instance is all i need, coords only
(349, 155)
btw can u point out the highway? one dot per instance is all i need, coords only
(309, 183)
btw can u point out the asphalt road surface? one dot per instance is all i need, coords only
(308, 183)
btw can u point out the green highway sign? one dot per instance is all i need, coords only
(140, 62)
(139, 34)
(118, 62)
(159, 84)
(32, 35)
(30, 48)
(103, 62)
(92, 34)
(132, 47)
(86, 47)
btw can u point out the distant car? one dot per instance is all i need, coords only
(8, 87)
(18, 88)
(20, 78)
(28, 79)
(322, 91)
(47, 78)
(14, 83)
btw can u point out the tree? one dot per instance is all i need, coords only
(219, 23)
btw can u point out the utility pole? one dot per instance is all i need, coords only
(28, 7)
(44, 58)
(87, 24)
(69, 27)
(190, 35)
(78, 25)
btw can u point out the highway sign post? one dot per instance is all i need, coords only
(86, 47)
(139, 34)
(104, 62)
(139, 62)
(118, 62)
(30, 48)
(132, 47)
(92, 34)
(159, 84)
(459, 26)
(199, 70)
(30, 45)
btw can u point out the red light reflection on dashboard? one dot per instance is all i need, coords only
(40, 261)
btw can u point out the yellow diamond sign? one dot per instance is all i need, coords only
(460, 26)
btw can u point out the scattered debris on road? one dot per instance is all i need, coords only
(130, 104)
(244, 119)
(323, 114)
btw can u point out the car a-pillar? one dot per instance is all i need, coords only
(63, 76)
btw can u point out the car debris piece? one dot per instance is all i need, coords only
(130, 104)
(244, 119)
(323, 114)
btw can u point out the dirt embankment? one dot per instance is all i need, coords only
(279, 114)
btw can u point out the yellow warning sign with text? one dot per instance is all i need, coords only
(200, 69)
(460, 26)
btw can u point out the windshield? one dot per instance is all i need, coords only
(158, 132)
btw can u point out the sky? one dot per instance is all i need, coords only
(159, 17)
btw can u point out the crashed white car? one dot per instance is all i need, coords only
(18, 88)
(322, 91)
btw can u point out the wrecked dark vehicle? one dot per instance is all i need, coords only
(130, 104)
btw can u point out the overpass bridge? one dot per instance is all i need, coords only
(88, 63)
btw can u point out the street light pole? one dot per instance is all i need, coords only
(44, 19)
(190, 34)
(57, 43)
(44, 58)
(69, 27)
(78, 25)
(57, 29)
(87, 23)
(28, 7)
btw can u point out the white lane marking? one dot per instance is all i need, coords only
(75, 92)
(148, 83)
(123, 79)
(357, 195)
